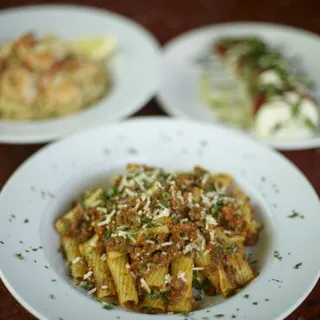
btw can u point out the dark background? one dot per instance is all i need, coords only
(167, 19)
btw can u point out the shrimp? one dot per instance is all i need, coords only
(19, 84)
(61, 92)
(39, 55)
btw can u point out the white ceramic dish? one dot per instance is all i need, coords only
(179, 89)
(137, 57)
(45, 185)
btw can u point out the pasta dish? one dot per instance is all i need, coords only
(153, 237)
(45, 78)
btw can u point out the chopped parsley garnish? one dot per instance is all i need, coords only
(108, 306)
(295, 108)
(255, 303)
(13, 216)
(310, 124)
(233, 316)
(122, 249)
(26, 221)
(132, 151)
(213, 187)
(52, 297)
(276, 128)
(53, 280)
(276, 254)
(204, 143)
(105, 196)
(216, 208)
(46, 267)
(19, 256)
(164, 196)
(232, 248)
(107, 235)
(266, 299)
(219, 315)
(1, 242)
(112, 192)
(295, 214)
(154, 294)
(195, 282)
(164, 203)
(35, 249)
(88, 286)
(298, 265)
(246, 296)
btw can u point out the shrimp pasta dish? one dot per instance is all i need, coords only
(44, 78)
(157, 241)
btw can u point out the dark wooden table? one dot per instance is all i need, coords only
(166, 19)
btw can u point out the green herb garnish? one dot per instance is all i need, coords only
(19, 256)
(164, 203)
(310, 124)
(276, 254)
(88, 286)
(219, 315)
(255, 303)
(295, 214)
(52, 297)
(246, 296)
(108, 306)
(232, 248)
(107, 235)
(34, 249)
(298, 265)
(26, 221)
(216, 208)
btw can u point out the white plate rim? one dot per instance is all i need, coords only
(178, 112)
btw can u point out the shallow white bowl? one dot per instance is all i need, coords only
(45, 185)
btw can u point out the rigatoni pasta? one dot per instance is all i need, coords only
(154, 236)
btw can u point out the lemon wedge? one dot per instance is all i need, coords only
(95, 47)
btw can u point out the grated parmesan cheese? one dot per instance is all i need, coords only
(133, 275)
(76, 260)
(92, 291)
(210, 221)
(164, 244)
(108, 219)
(87, 275)
(103, 257)
(104, 287)
(167, 278)
(197, 268)
(181, 275)
(164, 213)
(144, 285)
(103, 210)
(128, 266)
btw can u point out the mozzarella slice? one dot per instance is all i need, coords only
(275, 118)
(270, 77)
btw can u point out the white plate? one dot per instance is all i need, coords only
(135, 66)
(179, 89)
(44, 186)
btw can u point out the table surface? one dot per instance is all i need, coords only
(167, 19)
